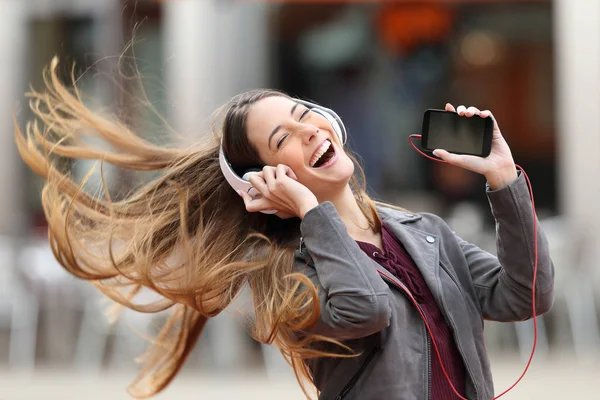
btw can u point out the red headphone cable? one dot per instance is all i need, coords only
(535, 268)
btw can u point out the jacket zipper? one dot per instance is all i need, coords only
(358, 373)
(406, 292)
(453, 325)
(427, 395)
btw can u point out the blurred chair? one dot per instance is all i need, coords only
(60, 295)
(276, 367)
(225, 340)
(525, 331)
(574, 258)
(65, 295)
(19, 309)
(228, 343)
(130, 332)
(575, 308)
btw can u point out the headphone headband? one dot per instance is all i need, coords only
(242, 183)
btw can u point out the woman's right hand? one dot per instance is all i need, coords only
(280, 191)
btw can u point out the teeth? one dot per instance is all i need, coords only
(319, 153)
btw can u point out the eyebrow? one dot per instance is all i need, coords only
(278, 127)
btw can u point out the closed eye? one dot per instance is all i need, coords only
(304, 114)
(280, 141)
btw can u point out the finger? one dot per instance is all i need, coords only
(257, 205)
(285, 171)
(269, 176)
(461, 110)
(472, 163)
(259, 184)
(450, 107)
(488, 113)
(450, 158)
(290, 172)
(280, 172)
(245, 197)
(472, 111)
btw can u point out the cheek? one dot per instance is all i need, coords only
(291, 156)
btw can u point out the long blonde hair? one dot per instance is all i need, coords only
(185, 235)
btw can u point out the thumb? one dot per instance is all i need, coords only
(450, 158)
(291, 174)
(443, 154)
(472, 163)
(244, 195)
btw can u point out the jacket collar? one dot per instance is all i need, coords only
(391, 216)
(422, 246)
(395, 219)
(400, 216)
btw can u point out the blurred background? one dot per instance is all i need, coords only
(535, 64)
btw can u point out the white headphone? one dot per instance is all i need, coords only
(244, 184)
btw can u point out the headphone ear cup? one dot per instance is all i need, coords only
(238, 183)
(249, 173)
(252, 191)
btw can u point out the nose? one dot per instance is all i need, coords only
(309, 133)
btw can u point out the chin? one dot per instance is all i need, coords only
(346, 167)
(341, 175)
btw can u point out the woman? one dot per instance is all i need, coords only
(338, 283)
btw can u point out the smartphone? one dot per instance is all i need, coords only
(460, 135)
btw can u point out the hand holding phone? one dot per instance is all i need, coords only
(497, 166)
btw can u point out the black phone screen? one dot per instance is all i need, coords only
(456, 134)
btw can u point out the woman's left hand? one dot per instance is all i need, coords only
(498, 168)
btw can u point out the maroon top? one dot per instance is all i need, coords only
(397, 261)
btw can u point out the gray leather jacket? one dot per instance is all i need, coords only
(364, 308)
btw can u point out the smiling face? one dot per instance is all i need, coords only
(286, 132)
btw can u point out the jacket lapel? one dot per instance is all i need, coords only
(422, 246)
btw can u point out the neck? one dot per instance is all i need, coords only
(347, 207)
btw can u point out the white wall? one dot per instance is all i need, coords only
(13, 38)
(44, 8)
(577, 38)
(213, 50)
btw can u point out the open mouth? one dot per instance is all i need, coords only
(323, 155)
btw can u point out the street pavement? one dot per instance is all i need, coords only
(551, 378)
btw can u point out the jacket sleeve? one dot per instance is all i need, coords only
(503, 284)
(353, 298)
